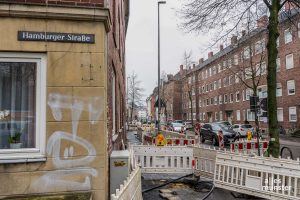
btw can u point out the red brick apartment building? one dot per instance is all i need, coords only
(62, 95)
(217, 88)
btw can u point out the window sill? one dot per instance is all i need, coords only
(14, 160)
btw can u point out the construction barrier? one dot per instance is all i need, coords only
(177, 141)
(249, 146)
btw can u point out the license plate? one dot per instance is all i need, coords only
(230, 140)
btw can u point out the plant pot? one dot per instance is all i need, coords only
(15, 145)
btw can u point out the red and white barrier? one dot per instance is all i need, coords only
(177, 141)
(249, 146)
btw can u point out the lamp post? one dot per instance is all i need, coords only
(158, 4)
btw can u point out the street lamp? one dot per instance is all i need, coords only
(159, 3)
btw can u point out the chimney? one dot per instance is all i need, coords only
(243, 33)
(262, 22)
(221, 47)
(194, 65)
(210, 54)
(181, 70)
(233, 39)
(170, 77)
(201, 60)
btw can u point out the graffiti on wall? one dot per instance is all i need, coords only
(70, 173)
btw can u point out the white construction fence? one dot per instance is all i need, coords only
(264, 177)
(131, 189)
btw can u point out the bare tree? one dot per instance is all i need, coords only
(224, 18)
(187, 58)
(135, 94)
(252, 68)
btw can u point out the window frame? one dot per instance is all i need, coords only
(292, 61)
(38, 152)
(287, 87)
(286, 40)
(294, 108)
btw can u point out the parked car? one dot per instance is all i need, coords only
(176, 127)
(242, 129)
(210, 132)
(188, 125)
(224, 122)
(178, 121)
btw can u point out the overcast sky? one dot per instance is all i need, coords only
(141, 41)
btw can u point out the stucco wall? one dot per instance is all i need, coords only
(76, 92)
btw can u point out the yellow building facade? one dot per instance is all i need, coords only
(63, 142)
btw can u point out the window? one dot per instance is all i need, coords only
(216, 116)
(248, 73)
(224, 82)
(249, 92)
(236, 59)
(216, 100)
(287, 36)
(113, 100)
(22, 104)
(215, 85)
(238, 115)
(237, 96)
(206, 73)
(231, 98)
(262, 91)
(246, 53)
(291, 87)
(221, 115)
(280, 114)
(237, 79)
(209, 71)
(261, 69)
(292, 114)
(220, 99)
(220, 67)
(231, 80)
(299, 30)
(278, 64)
(203, 116)
(211, 86)
(200, 116)
(250, 115)
(203, 77)
(243, 94)
(200, 103)
(289, 61)
(260, 46)
(229, 63)
(224, 64)
(211, 101)
(244, 115)
(214, 70)
(225, 98)
(220, 83)
(278, 90)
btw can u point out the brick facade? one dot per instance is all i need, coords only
(217, 78)
(208, 96)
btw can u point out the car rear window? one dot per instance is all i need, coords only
(246, 126)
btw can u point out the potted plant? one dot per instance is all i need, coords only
(15, 140)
